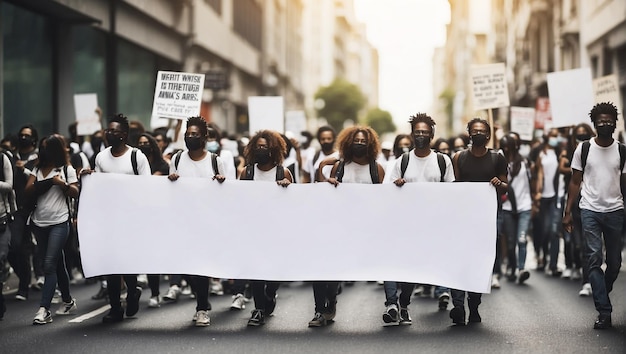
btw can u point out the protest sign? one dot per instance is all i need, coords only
(177, 95)
(266, 112)
(523, 122)
(85, 106)
(489, 86)
(571, 96)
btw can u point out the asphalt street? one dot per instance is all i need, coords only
(546, 315)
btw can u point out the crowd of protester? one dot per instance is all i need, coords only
(40, 180)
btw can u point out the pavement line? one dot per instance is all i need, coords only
(91, 314)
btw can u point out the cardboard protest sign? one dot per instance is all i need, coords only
(177, 95)
(295, 122)
(523, 122)
(489, 86)
(266, 112)
(88, 120)
(571, 96)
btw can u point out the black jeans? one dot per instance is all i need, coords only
(324, 293)
(200, 285)
(262, 291)
(20, 251)
(114, 285)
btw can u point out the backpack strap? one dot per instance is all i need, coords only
(214, 163)
(339, 172)
(248, 173)
(584, 153)
(442, 165)
(316, 156)
(177, 159)
(404, 163)
(133, 160)
(280, 173)
(374, 172)
(67, 199)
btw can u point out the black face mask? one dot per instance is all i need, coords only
(479, 140)
(262, 156)
(327, 146)
(359, 150)
(25, 142)
(115, 140)
(605, 131)
(194, 143)
(583, 137)
(146, 149)
(421, 141)
(96, 144)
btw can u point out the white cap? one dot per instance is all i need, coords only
(387, 145)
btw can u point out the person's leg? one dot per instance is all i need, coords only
(114, 286)
(612, 231)
(405, 295)
(18, 254)
(592, 229)
(554, 239)
(523, 223)
(51, 241)
(258, 293)
(509, 225)
(154, 281)
(201, 286)
(319, 295)
(391, 292)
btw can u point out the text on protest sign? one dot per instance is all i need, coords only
(177, 95)
(490, 88)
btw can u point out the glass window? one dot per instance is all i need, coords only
(27, 70)
(90, 63)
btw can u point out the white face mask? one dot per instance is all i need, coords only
(212, 146)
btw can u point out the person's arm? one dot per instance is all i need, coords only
(455, 165)
(573, 191)
(7, 185)
(220, 176)
(564, 164)
(327, 161)
(538, 180)
(287, 180)
(333, 180)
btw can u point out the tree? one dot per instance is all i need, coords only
(342, 100)
(381, 121)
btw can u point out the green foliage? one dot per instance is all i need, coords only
(342, 101)
(381, 121)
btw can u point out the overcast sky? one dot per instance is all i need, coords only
(405, 32)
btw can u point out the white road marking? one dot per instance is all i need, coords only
(91, 314)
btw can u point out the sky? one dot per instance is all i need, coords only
(405, 32)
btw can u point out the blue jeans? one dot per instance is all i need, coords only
(516, 229)
(391, 293)
(596, 227)
(50, 243)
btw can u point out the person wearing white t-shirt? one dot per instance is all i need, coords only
(358, 149)
(120, 158)
(197, 162)
(52, 181)
(264, 157)
(422, 166)
(599, 179)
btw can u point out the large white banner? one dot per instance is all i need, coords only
(434, 233)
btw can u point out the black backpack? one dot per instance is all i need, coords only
(373, 171)
(213, 161)
(440, 160)
(249, 173)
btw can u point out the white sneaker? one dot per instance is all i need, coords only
(216, 287)
(142, 281)
(567, 273)
(576, 274)
(42, 316)
(172, 293)
(495, 282)
(155, 301)
(239, 302)
(391, 315)
(586, 290)
(56, 299)
(202, 318)
(67, 308)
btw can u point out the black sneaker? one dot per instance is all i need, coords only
(102, 294)
(257, 319)
(114, 315)
(457, 314)
(318, 320)
(405, 318)
(390, 316)
(603, 322)
(132, 302)
(331, 311)
(523, 276)
(443, 301)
